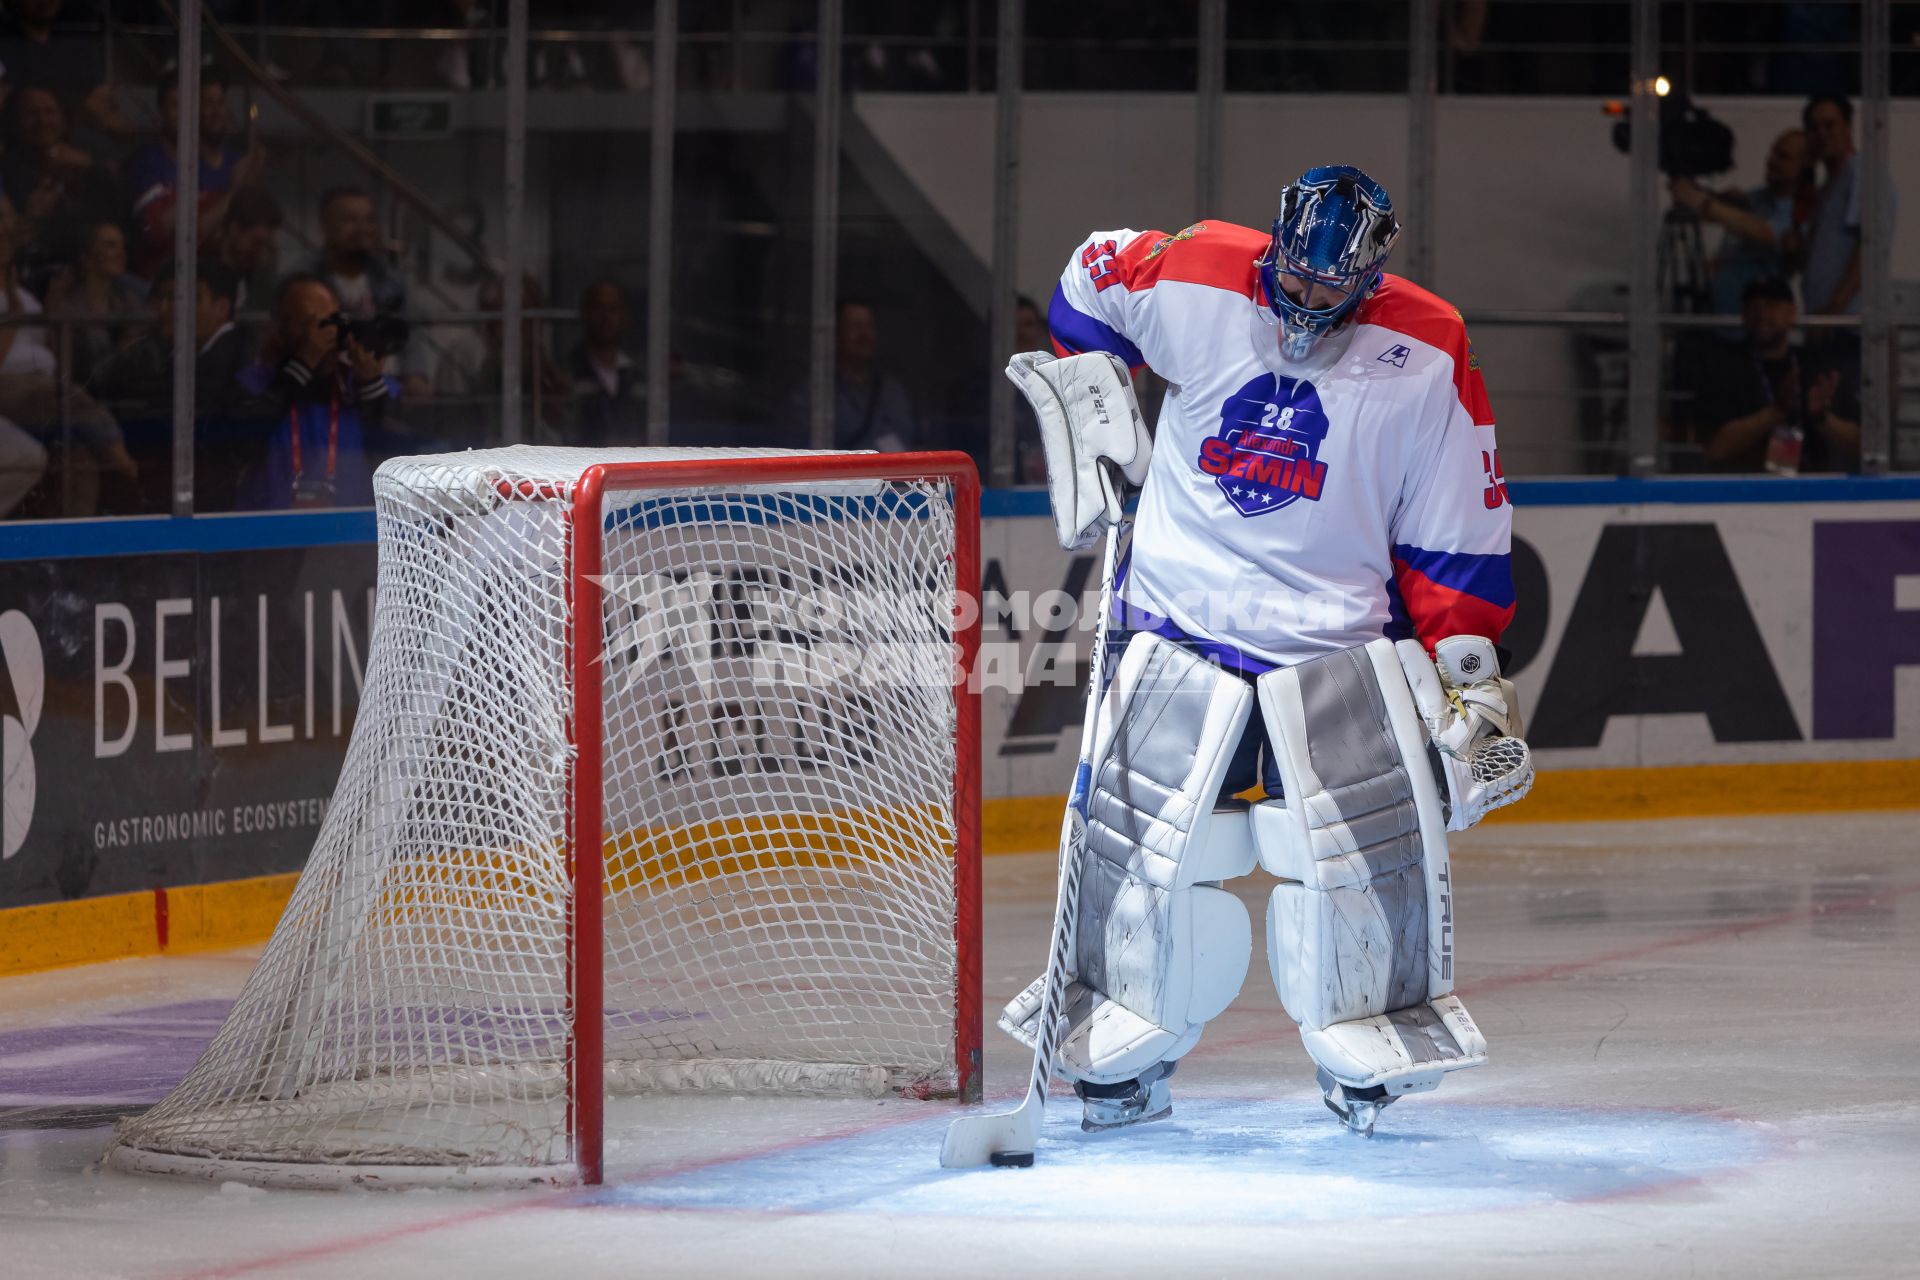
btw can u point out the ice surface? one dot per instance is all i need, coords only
(1704, 1045)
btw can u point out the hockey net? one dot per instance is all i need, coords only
(727, 683)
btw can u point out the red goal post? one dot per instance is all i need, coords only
(586, 1122)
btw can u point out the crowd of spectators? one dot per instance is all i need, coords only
(1769, 394)
(87, 221)
(291, 407)
(294, 405)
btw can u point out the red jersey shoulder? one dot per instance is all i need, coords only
(1404, 307)
(1220, 254)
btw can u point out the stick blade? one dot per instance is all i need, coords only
(1003, 1138)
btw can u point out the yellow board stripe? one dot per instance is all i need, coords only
(227, 913)
(1025, 823)
(236, 913)
(56, 934)
(1681, 791)
(200, 917)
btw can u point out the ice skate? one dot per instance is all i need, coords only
(1357, 1108)
(1142, 1100)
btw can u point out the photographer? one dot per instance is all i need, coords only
(1759, 223)
(314, 397)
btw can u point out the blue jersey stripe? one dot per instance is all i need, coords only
(1079, 332)
(1487, 577)
(1131, 618)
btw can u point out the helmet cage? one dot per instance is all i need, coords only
(1335, 230)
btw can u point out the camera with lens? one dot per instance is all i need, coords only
(1692, 142)
(382, 335)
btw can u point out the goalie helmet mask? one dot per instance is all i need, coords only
(1335, 229)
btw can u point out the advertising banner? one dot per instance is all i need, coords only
(173, 719)
(1647, 635)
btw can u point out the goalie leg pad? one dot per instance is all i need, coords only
(1157, 949)
(1406, 1051)
(1360, 932)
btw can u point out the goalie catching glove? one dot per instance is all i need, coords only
(1472, 715)
(1095, 439)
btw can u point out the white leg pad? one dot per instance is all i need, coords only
(1158, 950)
(1360, 932)
(1406, 1051)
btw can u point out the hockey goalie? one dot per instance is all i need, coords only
(1314, 592)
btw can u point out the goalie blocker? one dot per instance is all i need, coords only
(1360, 929)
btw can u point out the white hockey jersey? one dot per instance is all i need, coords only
(1295, 507)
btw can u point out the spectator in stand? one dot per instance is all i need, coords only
(609, 393)
(23, 459)
(1832, 256)
(72, 65)
(1767, 404)
(1760, 230)
(56, 184)
(31, 400)
(245, 245)
(467, 378)
(136, 385)
(311, 401)
(350, 260)
(355, 267)
(153, 174)
(99, 287)
(870, 407)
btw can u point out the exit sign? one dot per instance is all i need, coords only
(411, 115)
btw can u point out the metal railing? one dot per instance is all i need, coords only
(1643, 322)
(971, 49)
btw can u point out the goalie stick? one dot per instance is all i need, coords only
(1009, 1137)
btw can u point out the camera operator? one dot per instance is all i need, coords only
(316, 394)
(1759, 223)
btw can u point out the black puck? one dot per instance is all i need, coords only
(1012, 1159)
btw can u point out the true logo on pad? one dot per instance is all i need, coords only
(1267, 453)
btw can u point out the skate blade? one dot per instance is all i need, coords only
(1087, 1126)
(1356, 1119)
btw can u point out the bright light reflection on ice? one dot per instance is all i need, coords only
(1231, 1160)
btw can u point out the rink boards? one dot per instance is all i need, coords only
(176, 695)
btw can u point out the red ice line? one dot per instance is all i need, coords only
(1546, 973)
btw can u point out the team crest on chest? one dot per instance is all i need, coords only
(1267, 453)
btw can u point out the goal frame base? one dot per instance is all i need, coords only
(321, 1176)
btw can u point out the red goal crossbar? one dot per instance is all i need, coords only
(586, 1107)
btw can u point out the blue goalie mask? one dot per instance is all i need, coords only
(1335, 229)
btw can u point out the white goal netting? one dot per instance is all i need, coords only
(783, 822)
